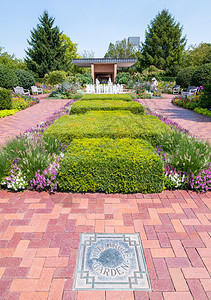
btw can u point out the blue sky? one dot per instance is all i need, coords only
(94, 24)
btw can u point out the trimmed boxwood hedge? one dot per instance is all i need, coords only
(111, 166)
(80, 107)
(124, 97)
(112, 124)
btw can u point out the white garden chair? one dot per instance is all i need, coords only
(21, 91)
(191, 90)
(36, 90)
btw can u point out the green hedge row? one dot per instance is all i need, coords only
(111, 166)
(112, 124)
(80, 107)
(124, 97)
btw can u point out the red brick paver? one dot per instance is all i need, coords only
(25, 119)
(197, 124)
(39, 239)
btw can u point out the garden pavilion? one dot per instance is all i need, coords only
(104, 68)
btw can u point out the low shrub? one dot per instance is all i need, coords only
(184, 77)
(8, 78)
(7, 112)
(125, 97)
(123, 77)
(5, 99)
(25, 78)
(111, 166)
(186, 102)
(21, 102)
(202, 75)
(55, 77)
(203, 111)
(112, 124)
(80, 107)
(205, 97)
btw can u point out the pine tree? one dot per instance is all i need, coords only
(164, 44)
(47, 53)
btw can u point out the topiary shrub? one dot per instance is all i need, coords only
(55, 77)
(123, 77)
(111, 166)
(25, 78)
(184, 76)
(81, 107)
(8, 78)
(202, 75)
(5, 99)
(124, 97)
(110, 124)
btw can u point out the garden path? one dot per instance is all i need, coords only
(25, 119)
(39, 240)
(197, 124)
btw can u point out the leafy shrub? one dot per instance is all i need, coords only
(185, 153)
(203, 111)
(184, 76)
(55, 77)
(111, 166)
(123, 77)
(112, 124)
(5, 99)
(84, 106)
(125, 97)
(25, 78)
(202, 75)
(205, 97)
(8, 78)
(6, 112)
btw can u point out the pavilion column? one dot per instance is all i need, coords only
(115, 72)
(93, 72)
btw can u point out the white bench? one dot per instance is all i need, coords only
(36, 90)
(22, 91)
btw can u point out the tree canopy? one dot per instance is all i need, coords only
(10, 61)
(198, 55)
(122, 49)
(47, 52)
(164, 44)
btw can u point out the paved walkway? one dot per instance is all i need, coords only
(25, 119)
(39, 239)
(197, 124)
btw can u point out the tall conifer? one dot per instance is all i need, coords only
(46, 53)
(164, 44)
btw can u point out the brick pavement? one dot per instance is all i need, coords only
(39, 239)
(25, 119)
(197, 124)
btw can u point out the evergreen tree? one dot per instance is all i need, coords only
(47, 53)
(164, 44)
(122, 49)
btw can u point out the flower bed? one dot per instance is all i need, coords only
(193, 102)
